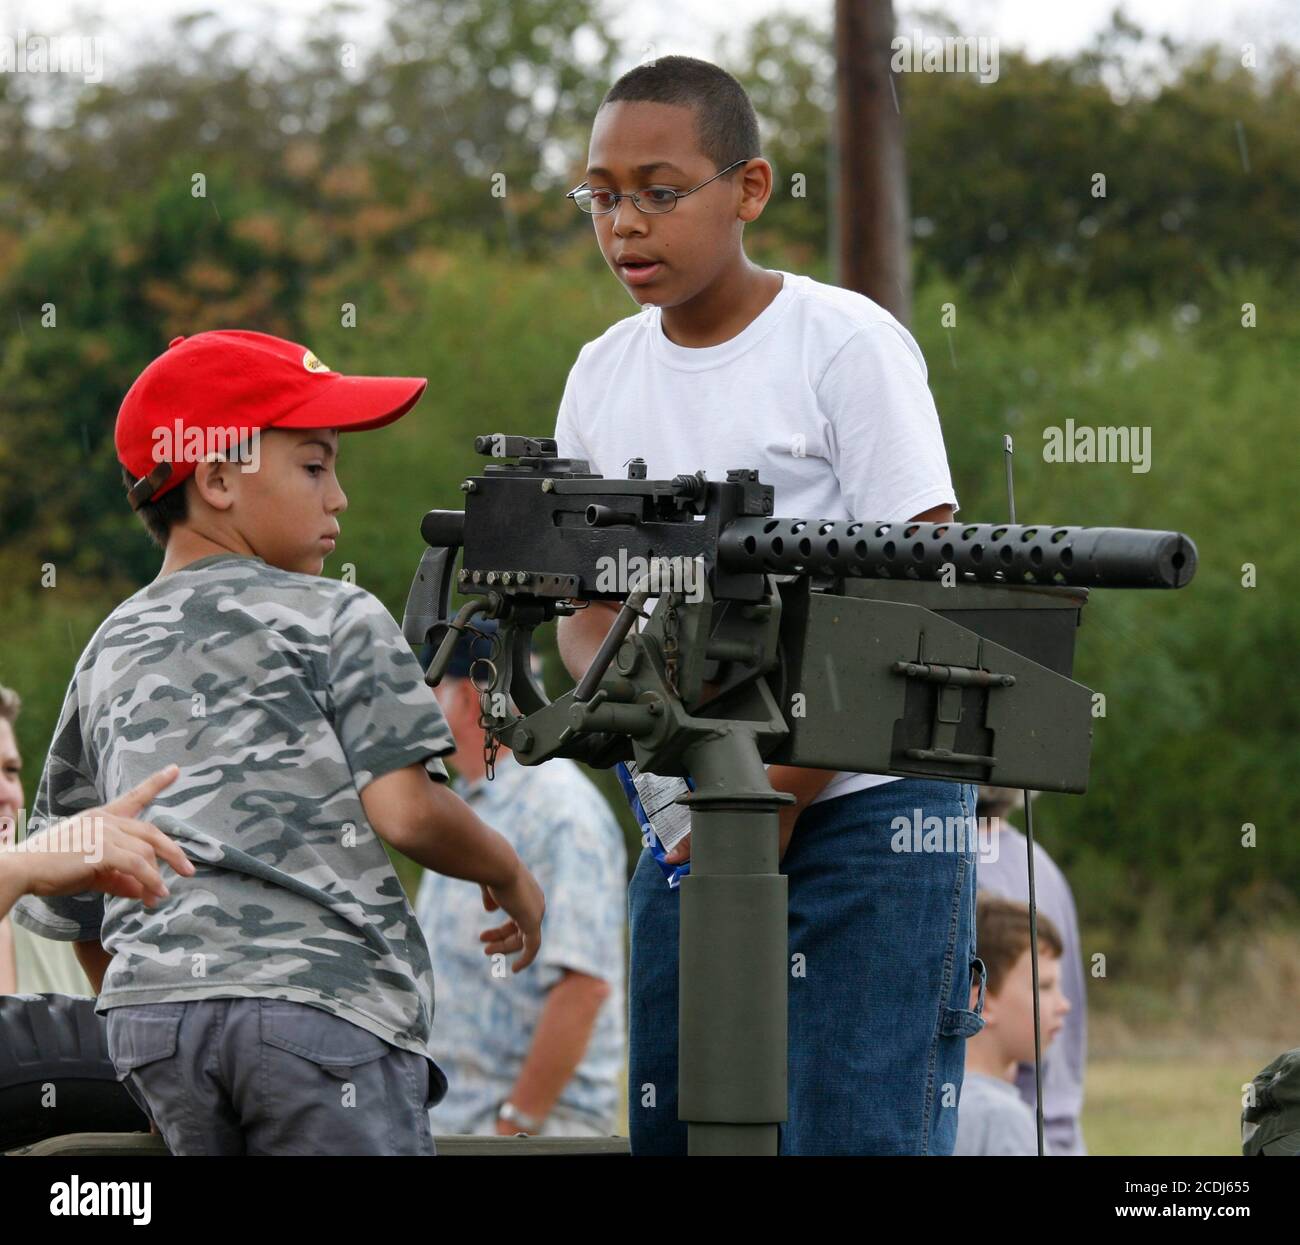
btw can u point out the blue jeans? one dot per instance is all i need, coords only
(879, 998)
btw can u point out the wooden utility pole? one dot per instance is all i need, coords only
(872, 220)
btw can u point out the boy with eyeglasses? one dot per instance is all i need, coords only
(825, 393)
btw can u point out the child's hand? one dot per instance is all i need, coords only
(107, 849)
(522, 900)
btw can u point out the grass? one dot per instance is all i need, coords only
(1155, 1104)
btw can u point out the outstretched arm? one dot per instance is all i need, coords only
(111, 851)
(431, 824)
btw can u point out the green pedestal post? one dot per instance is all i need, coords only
(733, 953)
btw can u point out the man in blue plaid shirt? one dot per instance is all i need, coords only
(541, 1052)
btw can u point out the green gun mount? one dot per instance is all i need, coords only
(902, 648)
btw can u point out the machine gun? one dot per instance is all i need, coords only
(911, 649)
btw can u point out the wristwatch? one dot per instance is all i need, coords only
(513, 1115)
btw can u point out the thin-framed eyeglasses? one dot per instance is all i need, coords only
(654, 200)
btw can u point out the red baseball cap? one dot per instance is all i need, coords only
(230, 382)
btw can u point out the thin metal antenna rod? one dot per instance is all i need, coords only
(1033, 904)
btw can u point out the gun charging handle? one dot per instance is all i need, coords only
(454, 629)
(623, 623)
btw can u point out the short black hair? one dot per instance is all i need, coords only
(726, 127)
(159, 515)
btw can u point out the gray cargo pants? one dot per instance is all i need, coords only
(267, 1076)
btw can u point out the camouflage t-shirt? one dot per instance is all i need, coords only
(280, 696)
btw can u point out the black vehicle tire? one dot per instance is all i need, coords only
(55, 1073)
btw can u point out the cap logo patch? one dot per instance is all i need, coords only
(312, 363)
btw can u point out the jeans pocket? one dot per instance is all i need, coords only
(964, 1021)
(331, 1043)
(142, 1034)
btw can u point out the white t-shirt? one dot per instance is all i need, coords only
(824, 392)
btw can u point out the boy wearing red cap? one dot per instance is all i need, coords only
(278, 1001)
